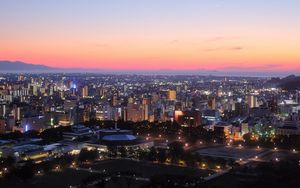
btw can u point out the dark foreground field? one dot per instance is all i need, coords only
(72, 177)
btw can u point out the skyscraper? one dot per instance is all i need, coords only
(171, 95)
(85, 91)
(252, 101)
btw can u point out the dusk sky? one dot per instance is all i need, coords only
(225, 35)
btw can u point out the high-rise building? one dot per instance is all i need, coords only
(2, 126)
(298, 97)
(21, 77)
(146, 101)
(17, 112)
(146, 111)
(85, 91)
(2, 110)
(34, 90)
(171, 95)
(135, 113)
(212, 104)
(114, 100)
(252, 101)
(69, 104)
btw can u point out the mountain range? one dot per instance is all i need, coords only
(11, 66)
(290, 82)
(19, 66)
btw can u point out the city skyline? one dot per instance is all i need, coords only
(149, 93)
(228, 36)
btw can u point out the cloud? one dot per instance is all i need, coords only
(220, 38)
(174, 41)
(100, 45)
(234, 48)
(214, 39)
(272, 65)
(248, 67)
(204, 41)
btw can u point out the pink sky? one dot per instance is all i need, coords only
(143, 35)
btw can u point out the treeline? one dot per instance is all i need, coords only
(289, 142)
(168, 129)
(175, 154)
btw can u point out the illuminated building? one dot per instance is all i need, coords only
(212, 104)
(21, 77)
(130, 100)
(77, 132)
(211, 117)
(224, 127)
(2, 110)
(113, 139)
(244, 128)
(114, 100)
(30, 152)
(252, 101)
(70, 104)
(32, 123)
(135, 113)
(17, 113)
(85, 91)
(188, 118)
(171, 95)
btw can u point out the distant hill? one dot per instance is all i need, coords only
(291, 82)
(21, 66)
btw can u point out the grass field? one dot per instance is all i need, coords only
(61, 179)
(146, 169)
(71, 177)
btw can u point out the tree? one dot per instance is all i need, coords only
(176, 151)
(142, 154)
(7, 162)
(189, 159)
(123, 152)
(152, 154)
(31, 134)
(161, 155)
(25, 172)
(88, 155)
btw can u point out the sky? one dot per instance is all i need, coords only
(222, 35)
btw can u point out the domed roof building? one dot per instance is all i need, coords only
(119, 137)
(114, 138)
